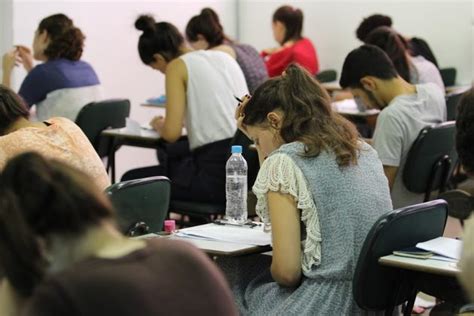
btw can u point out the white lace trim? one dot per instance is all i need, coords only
(279, 173)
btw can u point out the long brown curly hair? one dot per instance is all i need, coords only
(308, 116)
(66, 40)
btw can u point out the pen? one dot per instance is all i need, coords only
(249, 224)
(238, 99)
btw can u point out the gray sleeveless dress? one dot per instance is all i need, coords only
(344, 204)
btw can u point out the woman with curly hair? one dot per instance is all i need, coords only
(63, 83)
(320, 188)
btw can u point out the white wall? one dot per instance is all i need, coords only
(6, 30)
(444, 24)
(111, 47)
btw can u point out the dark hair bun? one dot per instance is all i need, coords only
(210, 14)
(145, 23)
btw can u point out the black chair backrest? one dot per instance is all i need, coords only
(460, 203)
(449, 76)
(452, 101)
(98, 116)
(374, 285)
(250, 155)
(430, 159)
(142, 200)
(328, 75)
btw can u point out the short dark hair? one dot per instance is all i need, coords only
(370, 23)
(292, 18)
(392, 44)
(158, 38)
(367, 60)
(208, 25)
(12, 108)
(40, 197)
(66, 40)
(465, 131)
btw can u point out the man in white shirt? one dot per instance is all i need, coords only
(406, 109)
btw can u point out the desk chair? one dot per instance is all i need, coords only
(460, 204)
(430, 160)
(140, 204)
(449, 76)
(379, 288)
(98, 116)
(328, 75)
(452, 101)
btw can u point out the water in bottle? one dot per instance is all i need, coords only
(236, 187)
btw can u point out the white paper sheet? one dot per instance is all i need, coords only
(232, 234)
(447, 247)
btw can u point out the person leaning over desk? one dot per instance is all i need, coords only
(200, 90)
(204, 31)
(62, 254)
(320, 188)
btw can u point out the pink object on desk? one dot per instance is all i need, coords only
(170, 225)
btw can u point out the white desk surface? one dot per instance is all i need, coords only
(132, 133)
(423, 265)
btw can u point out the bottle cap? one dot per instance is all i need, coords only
(170, 225)
(237, 149)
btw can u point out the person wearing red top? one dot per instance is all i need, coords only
(287, 26)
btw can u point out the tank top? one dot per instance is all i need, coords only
(214, 78)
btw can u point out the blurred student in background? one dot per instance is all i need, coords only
(416, 69)
(63, 83)
(200, 90)
(415, 45)
(287, 26)
(204, 31)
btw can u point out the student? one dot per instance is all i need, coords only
(204, 31)
(413, 69)
(63, 255)
(415, 45)
(287, 26)
(200, 89)
(406, 110)
(465, 149)
(320, 189)
(63, 83)
(57, 138)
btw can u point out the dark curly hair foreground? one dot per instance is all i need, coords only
(308, 116)
(465, 131)
(66, 40)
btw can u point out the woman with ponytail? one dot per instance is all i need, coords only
(287, 27)
(63, 83)
(62, 254)
(320, 188)
(204, 31)
(200, 91)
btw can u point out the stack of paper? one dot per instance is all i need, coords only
(448, 249)
(227, 233)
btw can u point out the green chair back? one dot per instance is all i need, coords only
(449, 76)
(141, 200)
(328, 75)
(98, 116)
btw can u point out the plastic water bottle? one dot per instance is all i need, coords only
(236, 187)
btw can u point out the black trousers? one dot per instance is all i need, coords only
(195, 176)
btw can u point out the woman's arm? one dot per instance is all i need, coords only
(286, 236)
(171, 126)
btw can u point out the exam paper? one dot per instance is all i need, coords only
(227, 233)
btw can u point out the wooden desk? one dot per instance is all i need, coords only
(457, 89)
(432, 266)
(145, 138)
(154, 105)
(331, 86)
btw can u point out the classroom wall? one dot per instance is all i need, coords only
(111, 47)
(445, 24)
(6, 31)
